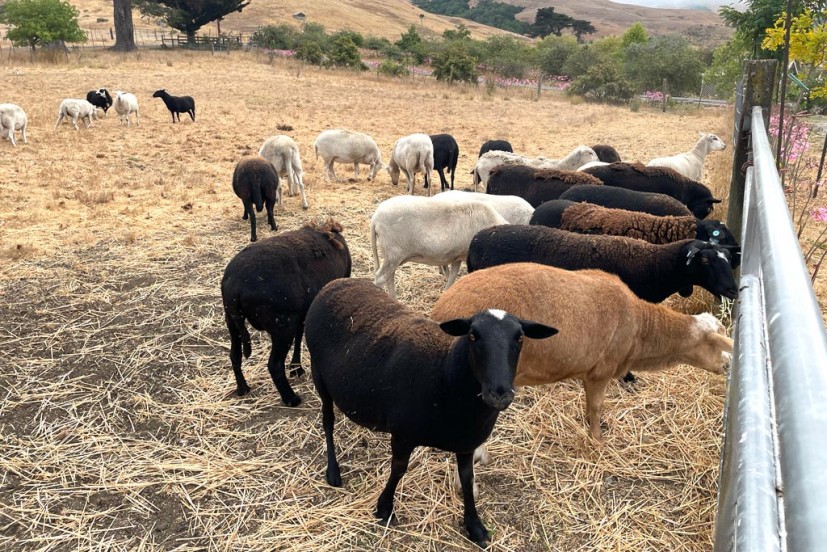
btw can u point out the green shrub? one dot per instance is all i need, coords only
(343, 52)
(377, 43)
(354, 37)
(277, 37)
(455, 64)
(391, 68)
(311, 52)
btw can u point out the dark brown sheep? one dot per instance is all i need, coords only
(256, 183)
(535, 185)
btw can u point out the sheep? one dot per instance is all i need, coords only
(691, 163)
(535, 185)
(256, 183)
(578, 157)
(346, 146)
(283, 153)
(100, 98)
(412, 154)
(13, 118)
(606, 153)
(653, 272)
(495, 145)
(585, 218)
(271, 284)
(176, 104)
(410, 228)
(125, 104)
(76, 109)
(605, 330)
(591, 164)
(662, 180)
(392, 370)
(446, 155)
(514, 209)
(621, 198)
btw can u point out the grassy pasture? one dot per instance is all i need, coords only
(118, 424)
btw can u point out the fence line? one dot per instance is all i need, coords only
(773, 481)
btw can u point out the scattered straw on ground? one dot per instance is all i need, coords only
(118, 426)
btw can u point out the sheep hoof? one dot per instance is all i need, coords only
(478, 534)
(386, 520)
(334, 477)
(296, 370)
(629, 378)
(295, 400)
(241, 391)
(305, 207)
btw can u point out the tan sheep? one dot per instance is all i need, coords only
(605, 330)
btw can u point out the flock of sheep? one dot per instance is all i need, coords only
(13, 118)
(574, 254)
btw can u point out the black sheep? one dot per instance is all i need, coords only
(446, 155)
(496, 145)
(635, 176)
(606, 153)
(392, 370)
(652, 272)
(100, 98)
(177, 104)
(534, 185)
(271, 284)
(256, 183)
(621, 198)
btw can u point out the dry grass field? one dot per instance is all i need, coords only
(119, 429)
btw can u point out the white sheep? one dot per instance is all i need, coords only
(412, 154)
(578, 157)
(691, 163)
(591, 164)
(283, 153)
(12, 118)
(76, 109)
(126, 103)
(514, 209)
(345, 146)
(418, 229)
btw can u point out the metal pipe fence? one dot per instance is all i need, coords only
(773, 481)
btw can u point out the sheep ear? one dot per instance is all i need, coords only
(693, 249)
(716, 200)
(535, 330)
(458, 327)
(685, 292)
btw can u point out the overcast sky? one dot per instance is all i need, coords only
(710, 4)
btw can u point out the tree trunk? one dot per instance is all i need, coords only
(191, 36)
(124, 30)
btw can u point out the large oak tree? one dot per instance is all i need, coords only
(124, 30)
(190, 15)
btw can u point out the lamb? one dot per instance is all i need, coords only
(100, 98)
(76, 109)
(662, 180)
(653, 272)
(126, 104)
(605, 330)
(606, 153)
(514, 209)
(12, 119)
(345, 146)
(176, 104)
(691, 163)
(535, 185)
(585, 218)
(578, 157)
(271, 284)
(392, 370)
(418, 229)
(446, 155)
(283, 153)
(496, 145)
(256, 183)
(410, 155)
(621, 198)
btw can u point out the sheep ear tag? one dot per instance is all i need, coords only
(716, 237)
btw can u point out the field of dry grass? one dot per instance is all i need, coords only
(118, 426)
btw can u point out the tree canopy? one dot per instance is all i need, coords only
(37, 22)
(808, 43)
(190, 15)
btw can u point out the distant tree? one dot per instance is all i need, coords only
(354, 37)
(460, 33)
(636, 34)
(580, 60)
(488, 12)
(552, 53)
(506, 56)
(455, 63)
(760, 15)
(664, 57)
(727, 66)
(580, 27)
(808, 45)
(603, 82)
(411, 43)
(190, 15)
(547, 22)
(36, 22)
(277, 37)
(124, 29)
(343, 52)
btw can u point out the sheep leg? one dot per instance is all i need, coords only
(59, 119)
(237, 338)
(355, 170)
(401, 455)
(330, 171)
(443, 182)
(385, 277)
(473, 524)
(333, 474)
(251, 212)
(411, 180)
(296, 369)
(452, 274)
(75, 122)
(275, 366)
(137, 119)
(269, 204)
(300, 186)
(595, 393)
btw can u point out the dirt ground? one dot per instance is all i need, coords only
(118, 424)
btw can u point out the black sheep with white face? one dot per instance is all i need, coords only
(100, 98)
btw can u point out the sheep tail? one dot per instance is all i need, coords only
(373, 246)
(257, 200)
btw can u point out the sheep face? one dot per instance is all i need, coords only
(713, 143)
(495, 339)
(710, 266)
(713, 350)
(393, 170)
(717, 233)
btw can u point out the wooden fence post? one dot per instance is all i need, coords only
(755, 89)
(665, 94)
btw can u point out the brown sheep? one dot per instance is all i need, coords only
(533, 184)
(256, 183)
(605, 330)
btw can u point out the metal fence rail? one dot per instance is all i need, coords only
(773, 482)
